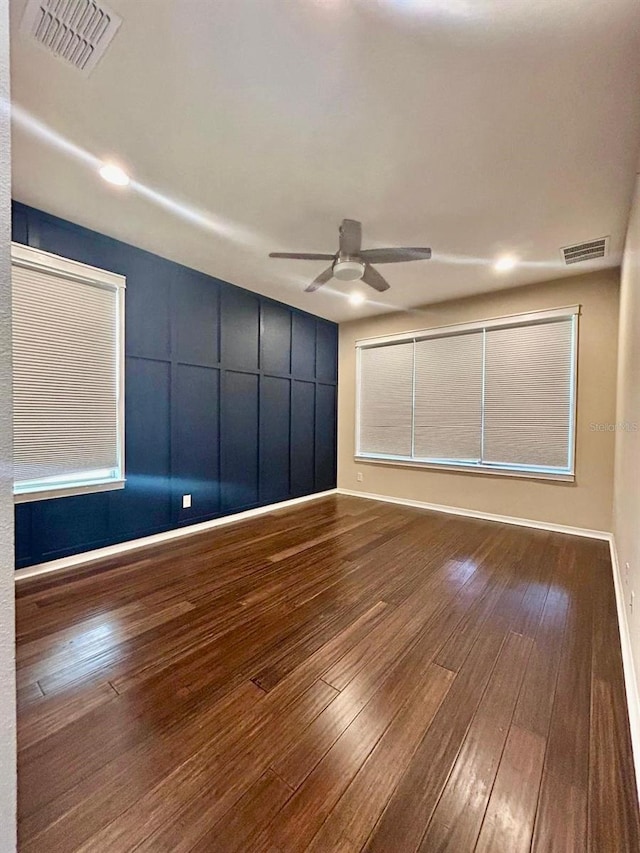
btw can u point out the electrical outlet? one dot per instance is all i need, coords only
(186, 502)
(359, 476)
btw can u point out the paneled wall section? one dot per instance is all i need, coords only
(230, 397)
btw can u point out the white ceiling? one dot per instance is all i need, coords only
(473, 126)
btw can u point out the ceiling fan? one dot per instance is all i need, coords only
(351, 262)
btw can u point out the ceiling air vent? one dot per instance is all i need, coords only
(77, 31)
(585, 251)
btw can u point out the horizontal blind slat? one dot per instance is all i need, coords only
(65, 383)
(448, 398)
(386, 399)
(528, 377)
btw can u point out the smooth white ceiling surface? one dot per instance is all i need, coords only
(473, 126)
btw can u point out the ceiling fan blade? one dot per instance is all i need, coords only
(350, 237)
(394, 256)
(323, 278)
(302, 256)
(373, 278)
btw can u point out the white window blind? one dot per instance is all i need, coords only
(386, 399)
(68, 376)
(528, 382)
(497, 395)
(448, 397)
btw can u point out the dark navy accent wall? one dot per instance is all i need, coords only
(230, 397)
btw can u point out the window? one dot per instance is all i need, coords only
(68, 388)
(495, 396)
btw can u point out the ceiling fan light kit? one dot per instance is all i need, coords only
(348, 270)
(351, 262)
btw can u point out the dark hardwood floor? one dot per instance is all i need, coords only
(342, 676)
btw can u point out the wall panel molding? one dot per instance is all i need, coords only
(184, 435)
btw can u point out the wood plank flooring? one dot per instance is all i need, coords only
(342, 676)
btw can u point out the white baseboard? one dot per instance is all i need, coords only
(631, 685)
(189, 530)
(157, 538)
(633, 696)
(485, 516)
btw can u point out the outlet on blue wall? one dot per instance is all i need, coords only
(230, 397)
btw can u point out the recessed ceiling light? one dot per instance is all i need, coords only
(114, 175)
(356, 298)
(505, 263)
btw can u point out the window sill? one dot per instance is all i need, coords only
(518, 473)
(68, 491)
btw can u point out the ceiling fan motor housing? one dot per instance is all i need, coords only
(347, 269)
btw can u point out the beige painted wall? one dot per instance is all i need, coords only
(587, 503)
(626, 521)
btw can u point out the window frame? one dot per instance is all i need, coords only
(60, 267)
(531, 318)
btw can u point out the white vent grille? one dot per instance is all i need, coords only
(585, 251)
(76, 31)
